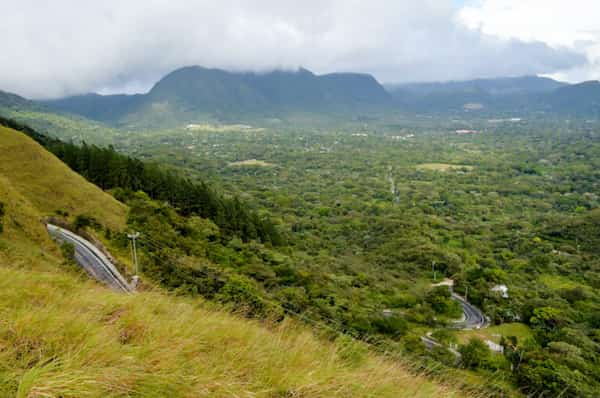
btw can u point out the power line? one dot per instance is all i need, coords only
(324, 323)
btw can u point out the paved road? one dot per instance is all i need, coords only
(431, 343)
(91, 259)
(473, 317)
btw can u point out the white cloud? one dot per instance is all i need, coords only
(74, 46)
(572, 24)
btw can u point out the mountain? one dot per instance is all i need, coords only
(14, 101)
(492, 87)
(578, 100)
(511, 94)
(196, 94)
(95, 106)
(70, 337)
(190, 93)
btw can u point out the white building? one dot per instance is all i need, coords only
(502, 289)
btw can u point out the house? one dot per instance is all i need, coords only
(502, 289)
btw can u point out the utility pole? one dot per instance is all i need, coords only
(433, 270)
(133, 237)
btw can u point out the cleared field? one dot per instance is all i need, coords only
(443, 167)
(495, 333)
(223, 128)
(251, 163)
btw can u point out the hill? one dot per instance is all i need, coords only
(49, 185)
(192, 93)
(62, 125)
(66, 336)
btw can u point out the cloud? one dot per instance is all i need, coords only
(71, 46)
(560, 24)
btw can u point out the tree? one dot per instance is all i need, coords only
(474, 354)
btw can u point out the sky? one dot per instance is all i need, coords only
(67, 47)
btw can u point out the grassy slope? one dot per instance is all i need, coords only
(50, 185)
(63, 335)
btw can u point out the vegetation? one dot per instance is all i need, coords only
(108, 169)
(80, 340)
(62, 335)
(366, 228)
(1, 216)
(50, 185)
(365, 232)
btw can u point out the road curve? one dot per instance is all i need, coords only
(92, 259)
(473, 317)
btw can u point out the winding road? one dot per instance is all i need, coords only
(473, 317)
(92, 259)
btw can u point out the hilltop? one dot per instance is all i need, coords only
(68, 336)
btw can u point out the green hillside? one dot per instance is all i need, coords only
(50, 185)
(63, 335)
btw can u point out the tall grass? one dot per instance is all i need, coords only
(61, 337)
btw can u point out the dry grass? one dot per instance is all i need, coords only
(50, 185)
(61, 336)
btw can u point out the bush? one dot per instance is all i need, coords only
(440, 300)
(244, 296)
(474, 354)
(392, 326)
(84, 221)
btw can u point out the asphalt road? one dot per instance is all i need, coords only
(473, 317)
(92, 259)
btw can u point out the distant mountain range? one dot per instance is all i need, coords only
(190, 92)
(195, 93)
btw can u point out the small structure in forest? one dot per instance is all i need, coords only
(502, 289)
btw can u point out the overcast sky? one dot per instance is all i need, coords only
(64, 47)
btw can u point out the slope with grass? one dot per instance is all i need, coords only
(62, 335)
(50, 185)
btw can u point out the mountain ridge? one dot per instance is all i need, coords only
(195, 93)
(194, 90)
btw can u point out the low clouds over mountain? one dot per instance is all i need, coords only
(68, 47)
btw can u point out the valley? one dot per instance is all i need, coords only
(315, 199)
(344, 223)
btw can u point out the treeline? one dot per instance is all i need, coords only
(108, 169)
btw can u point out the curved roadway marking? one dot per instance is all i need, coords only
(92, 259)
(474, 318)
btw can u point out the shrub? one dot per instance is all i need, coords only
(84, 221)
(474, 354)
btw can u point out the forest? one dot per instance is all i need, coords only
(352, 227)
